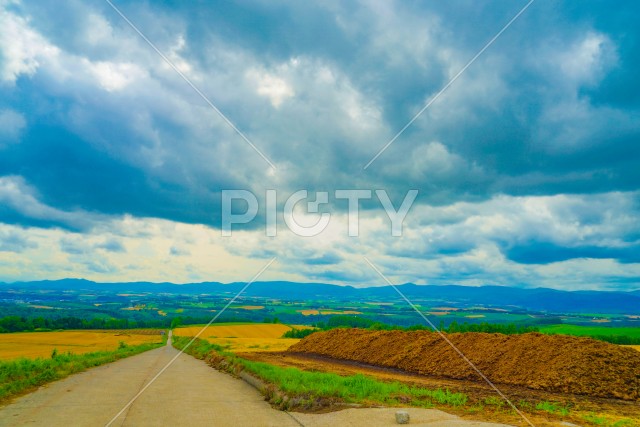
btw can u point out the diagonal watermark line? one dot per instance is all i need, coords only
(451, 81)
(444, 337)
(258, 274)
(186, 79)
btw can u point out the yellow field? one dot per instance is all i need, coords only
(136, 308)
(308, 312)
(43, 307)
(244, 338)
(637, 347)
(340, 312)
(41, 344)
(313, 312)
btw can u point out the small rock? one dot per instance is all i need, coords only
(402, 417)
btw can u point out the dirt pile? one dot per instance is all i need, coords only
(555, 363)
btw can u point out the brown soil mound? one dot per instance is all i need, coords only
(555, 363)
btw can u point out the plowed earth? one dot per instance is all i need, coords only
(552, 363)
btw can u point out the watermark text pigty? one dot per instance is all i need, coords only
(250, 207)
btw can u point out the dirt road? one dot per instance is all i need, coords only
(188, 393)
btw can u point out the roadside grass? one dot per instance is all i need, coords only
(21, 375)
(495, 401)
(308, 385)
(600, 420)
(351, 389)
(552, 408)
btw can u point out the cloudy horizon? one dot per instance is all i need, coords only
(527, 165)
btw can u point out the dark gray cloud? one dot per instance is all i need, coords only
(545, 253)
(326, 259)
(112, 245)
(11, 241)
(178, 251)
(73, 246)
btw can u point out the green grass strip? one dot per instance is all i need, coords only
(351, 389)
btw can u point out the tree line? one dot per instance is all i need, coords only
(453, 327)
(24, 324)
(30, 324)
(365, 323)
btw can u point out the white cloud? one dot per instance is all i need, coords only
(435, 160)
(586, 59)
(21, 49)
(115, 76)
(276, 89)
(176, 58)
(98, 31)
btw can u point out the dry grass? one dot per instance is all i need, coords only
(244, 338)
(252, 307)
(249, 330)
(41, 344)
(250, 345)
(135, 308)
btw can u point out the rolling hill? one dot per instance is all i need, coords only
(538, 299)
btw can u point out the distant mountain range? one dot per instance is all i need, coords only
(539, 299)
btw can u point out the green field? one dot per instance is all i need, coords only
(590, 330)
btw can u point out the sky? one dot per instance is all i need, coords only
(527, 166)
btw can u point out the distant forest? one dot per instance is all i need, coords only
(492, 328)
(22, 324)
